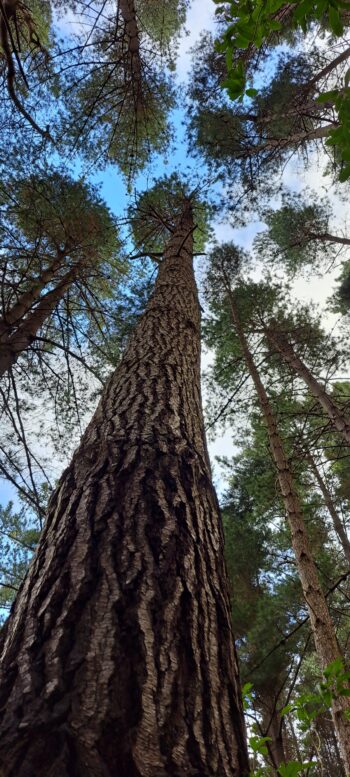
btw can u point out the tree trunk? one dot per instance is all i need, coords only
(12, 346)
(272, 727)
(338, 526)
(281, 344)
(128, 12)
(118, 658)
(29, 298)
(321, 623)
(327, 749)
(298, 137)
(342, 57)
(328, 238)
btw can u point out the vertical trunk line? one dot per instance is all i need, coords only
(338, 526)
(279, 342)
(321, 623)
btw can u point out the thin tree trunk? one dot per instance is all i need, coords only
(298, 137)
(325, 236)
(26, 300)
(128, 12)
(272, 727)
(342, 57)
(294, 753)
(302, 109)
(321, 623)
(338, 526)
(118, 659)
(281, 344)
(12, 346)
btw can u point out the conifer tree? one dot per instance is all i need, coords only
(118, 657)
(226, 264)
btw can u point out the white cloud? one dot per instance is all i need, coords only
(200, 17)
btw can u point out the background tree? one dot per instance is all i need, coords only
(300, 236)
(117, 88)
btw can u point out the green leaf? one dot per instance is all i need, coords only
(251, 92)
(302, 10)
(327, 96)
(275, 25)
(241, 42)
(286, 709)
(344, 174)
(293, 768)
(257, 744)
(334, 668)
(335, 22)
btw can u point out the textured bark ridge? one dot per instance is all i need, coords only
(322, 626)
(134, 64)
(118, 658)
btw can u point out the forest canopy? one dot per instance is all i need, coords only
(174, 317)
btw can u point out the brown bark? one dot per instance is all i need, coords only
(28, 298)
(272, 727)
(298, 137)
(326, 749)
(327, 69)
(279, 341)
(338, 526)
(118, 658)
(276, 144)
(321, 623)
(12, 346)
(326, 236)
(134, 64)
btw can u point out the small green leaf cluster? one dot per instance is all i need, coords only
(253, 21)
(251, 25)
(309, 706)
(306, 708)
(339, 137)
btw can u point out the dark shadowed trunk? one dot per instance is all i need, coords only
(326, 237)
(134, 64)
(28, 298)
(322, 626)
(12, 346)
(118, 659)
(271, 727)
(280, 343)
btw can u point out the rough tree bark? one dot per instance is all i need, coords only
(322, 626)
(284, 347)
(11, 346)
(338, 526)
(118, 658)
(134, 64)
